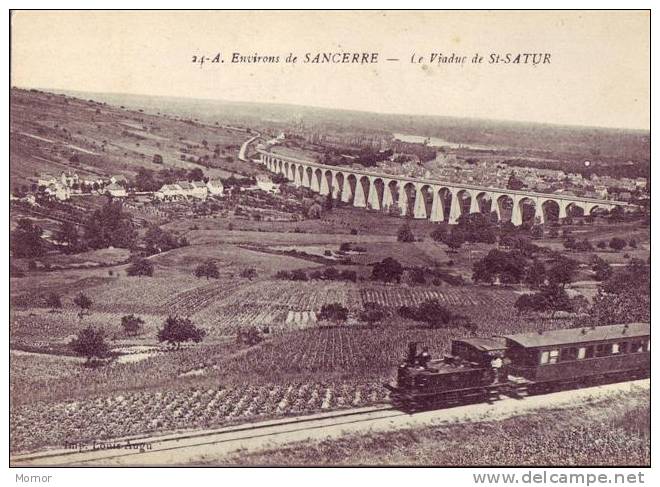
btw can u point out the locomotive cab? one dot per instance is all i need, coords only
(471, 370)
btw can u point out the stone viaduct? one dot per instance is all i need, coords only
(424, 198)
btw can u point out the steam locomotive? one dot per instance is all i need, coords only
(484, 369)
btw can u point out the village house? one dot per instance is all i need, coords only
(264, 183)
(58, 191)
(199, 189)
(168, 191)
(46, 180)
(115, 191)
(69, 179)
(119, 179)
(215, 187)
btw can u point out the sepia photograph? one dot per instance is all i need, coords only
(339, 238)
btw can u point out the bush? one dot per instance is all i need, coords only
(90, 343)
(131, 324)
(208, 269)
(617, 244)
(53, 301)
(179, 330)
(333, 312)
(298, 275)
(141, 267)
(249, 336)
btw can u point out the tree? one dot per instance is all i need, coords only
(417, 275)
(405, 233)
(602, 270)
(508, 267)
(110, 226)
(83, 302)
(249, 273)
(157, 159)
(329, 202)
(333, 312)
(131, 324)
(53, 301)
(177, 330)
(208, 269)
(387, 270)
(67, 234)
(434, 314)
(372, 313)
(551, 298)
(249, 336)
(535, 275)
(563, 271)
(455, 240)
(157, 240)
(25, 240)
(90, 343)
(314, 211)
(140, 267)
(617, 244)
(602, 245)
(514, 183)
(439, 234)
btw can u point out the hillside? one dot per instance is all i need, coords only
(560, 142)
(52, 133)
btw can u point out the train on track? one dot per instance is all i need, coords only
(484, 369)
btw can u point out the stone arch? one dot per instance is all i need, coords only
(445, 197)
(505, 207)
(300, 176)
(526, 209)
(407, 195)
(316, 180)
(361, 191)
(308, 176)
(391, 197)
(327, 182)
(551, 211)
(464, 200)
(484, 202)
(291, 175)
(376, 194)
(338, 185)
(575, 210)
(350, 184)
(423, 201)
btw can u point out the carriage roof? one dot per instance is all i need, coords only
(580, 335)
(485, 344)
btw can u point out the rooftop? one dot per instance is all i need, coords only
(580, 335)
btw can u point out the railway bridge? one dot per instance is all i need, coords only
(434, 200)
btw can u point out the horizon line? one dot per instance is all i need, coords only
(322, 107)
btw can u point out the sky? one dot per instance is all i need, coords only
(598, 75)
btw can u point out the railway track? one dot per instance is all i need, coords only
(125, 448)
(213, 445)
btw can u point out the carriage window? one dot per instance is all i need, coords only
(603, 349)
(545, 356)
(648, 346)
(568, 354)
(582, 353)
(623, 347)
(554, 356)
(615, 349)
(636, 346)
(589, 352)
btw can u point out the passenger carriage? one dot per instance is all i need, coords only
(580, 355)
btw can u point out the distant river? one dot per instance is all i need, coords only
(438, 142)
